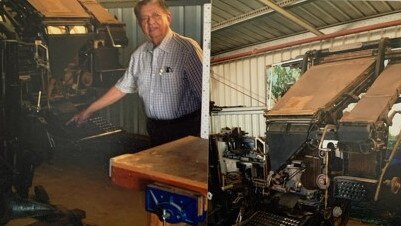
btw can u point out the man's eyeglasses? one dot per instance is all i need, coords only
(154, 17)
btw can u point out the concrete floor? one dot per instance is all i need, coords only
(78, 178)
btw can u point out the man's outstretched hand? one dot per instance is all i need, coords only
(79, 118)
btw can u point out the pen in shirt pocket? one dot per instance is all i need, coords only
(166, 69)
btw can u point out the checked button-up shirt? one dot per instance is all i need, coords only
(168, 77)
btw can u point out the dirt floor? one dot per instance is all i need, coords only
(78, 178)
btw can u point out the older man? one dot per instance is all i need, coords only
(166, 71)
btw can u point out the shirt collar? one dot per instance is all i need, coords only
(164, 45)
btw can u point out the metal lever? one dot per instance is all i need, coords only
(111, 38)
(165, 215)
(38, 104)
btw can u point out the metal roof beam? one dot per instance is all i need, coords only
(292, 17)
(253, 14)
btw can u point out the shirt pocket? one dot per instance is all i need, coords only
(171, 82)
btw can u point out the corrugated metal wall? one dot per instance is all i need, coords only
(244, 81)
(186, 20)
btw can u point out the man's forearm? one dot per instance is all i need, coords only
(110, 97)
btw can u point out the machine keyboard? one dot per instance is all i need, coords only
(95, 127)
(261, 218)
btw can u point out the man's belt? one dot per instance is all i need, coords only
(183, 118)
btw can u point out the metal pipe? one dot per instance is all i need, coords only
(292, 17)
(326, 160)
(305, 41)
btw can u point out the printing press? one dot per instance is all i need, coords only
(326, 153)
(57, 56)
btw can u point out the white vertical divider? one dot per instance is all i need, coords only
(207, 19)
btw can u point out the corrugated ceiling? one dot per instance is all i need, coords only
(240, 23)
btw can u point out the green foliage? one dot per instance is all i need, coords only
(391, 140)
(283, 78)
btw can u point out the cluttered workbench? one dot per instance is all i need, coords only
(174, 177)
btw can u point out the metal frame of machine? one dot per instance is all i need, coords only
(68, 45)
(320, 158)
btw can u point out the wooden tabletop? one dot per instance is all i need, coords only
(182, 163)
